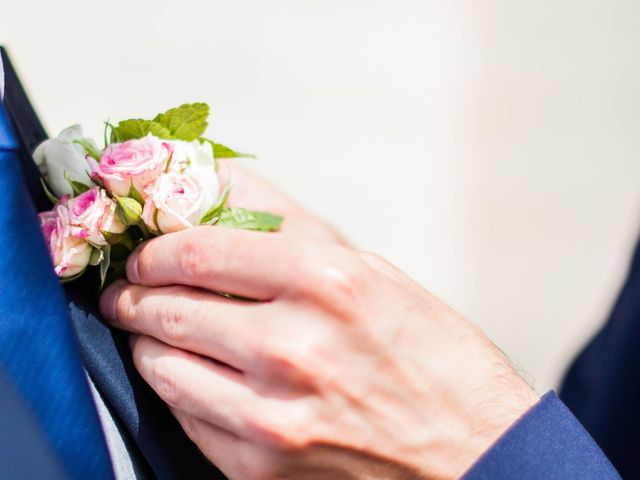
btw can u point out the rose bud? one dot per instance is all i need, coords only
(95, 215)
(130, 210)
(70, 254)
(58, 155)
(134, 163)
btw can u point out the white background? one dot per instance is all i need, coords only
(488, 148)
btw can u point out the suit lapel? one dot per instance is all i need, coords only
(105, 352)
(107, 358)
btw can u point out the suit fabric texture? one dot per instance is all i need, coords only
(37, 345)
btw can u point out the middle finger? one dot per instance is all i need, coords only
(224, 329)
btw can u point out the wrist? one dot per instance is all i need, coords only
(494, 415)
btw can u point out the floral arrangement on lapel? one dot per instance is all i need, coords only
(151, 178)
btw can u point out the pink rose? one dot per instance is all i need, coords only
(178, 200)
(70, 254)
(94, 214)
(134, 162)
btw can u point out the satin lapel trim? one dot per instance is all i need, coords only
(107, 358)
(7, 137)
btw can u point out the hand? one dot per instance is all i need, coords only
(342, 368)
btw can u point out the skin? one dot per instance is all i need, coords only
(343, 367)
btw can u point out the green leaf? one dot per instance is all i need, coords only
(137, 128)
(186, 122)
(88, 147)
(135, 194)
(112, 238)
(221, 151)
(117, 271)
(77, 187)
(237, 218)
(114, 137)
(96, 257)
(119, 242)
(104, 264)
(145, 232)
(119, 253)
(268, 222)
(212, 215)
(127, 241)
(246, 220)
(96, 181)
(107, 125)
(52, 198)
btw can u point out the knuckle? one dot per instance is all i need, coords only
(174, 318)
(166, 385)
(192, 256)
(199, 249)
(264, 430)
(344, 278)
(284, 432)
(253, 464)
(311, 363)
(302, 362)
(348, 278)
(335, 283)
(278, 357)
(272, 347)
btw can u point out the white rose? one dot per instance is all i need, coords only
(178, 200)
(57, 155)
(198, 158)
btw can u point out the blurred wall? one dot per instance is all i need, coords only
(490, 149)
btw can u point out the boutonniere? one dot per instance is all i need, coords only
(151, 178)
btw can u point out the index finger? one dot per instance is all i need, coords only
(240, 262)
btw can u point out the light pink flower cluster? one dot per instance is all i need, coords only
(75, 226)
(164, 185)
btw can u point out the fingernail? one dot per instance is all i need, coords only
(132, 267)
(109, 299)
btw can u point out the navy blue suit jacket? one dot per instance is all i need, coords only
(602, 387)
